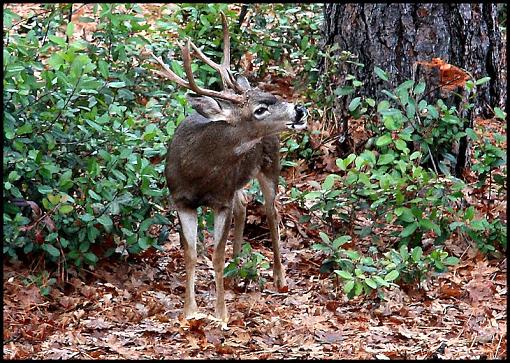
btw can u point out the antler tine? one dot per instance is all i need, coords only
(226, 42)
(186, 57)
(223, 68)
(169, 73)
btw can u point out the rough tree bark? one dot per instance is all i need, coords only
(396, 36)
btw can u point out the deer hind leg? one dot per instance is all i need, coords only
(189, 222)
(239, 220)
(222, 220)
(269, 186)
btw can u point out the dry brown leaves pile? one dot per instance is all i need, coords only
(132, 310)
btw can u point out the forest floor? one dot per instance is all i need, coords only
(133, 309)
(129, 310)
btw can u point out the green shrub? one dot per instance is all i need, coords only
(82, 151)
(246, 267)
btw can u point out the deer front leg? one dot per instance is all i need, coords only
(268, 187)
(189, 222)
(239, 220)
(222, 219)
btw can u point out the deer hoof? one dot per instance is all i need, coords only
(281, 284)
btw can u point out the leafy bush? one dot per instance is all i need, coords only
(246, 267)
(86, 124)
(364, 274)
(82, 143)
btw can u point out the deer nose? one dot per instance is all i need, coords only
(301, 114)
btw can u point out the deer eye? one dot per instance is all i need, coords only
(261, 111)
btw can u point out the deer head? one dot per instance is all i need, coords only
(238, 103)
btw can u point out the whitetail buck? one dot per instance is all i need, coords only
(215, 152)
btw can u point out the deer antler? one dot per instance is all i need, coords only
(223, 69)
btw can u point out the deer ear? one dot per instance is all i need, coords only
(210, 108)
(243, 82)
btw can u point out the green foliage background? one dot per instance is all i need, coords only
(86, 123)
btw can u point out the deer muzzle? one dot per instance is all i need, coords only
(299, 122)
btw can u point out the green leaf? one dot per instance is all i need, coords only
(65, 209)
(87, 217)
(106, 221)
(381, 74)
(329, 181)
(344, 274)
(371, 283)
(416, 253)
(420, 88)
(341, 241)
(389, 123)
(383, 106)
(409, 230)
(404, 252)
(23, 130)
(51, 250)
(391, 276)
(452, 260)
(324, 237)
(70, 29)
(354, 103)
(471, 133)
(385, 159)
(428, 224)
(415, 155)
(469, 213)
(400, 144)
(482, 81)
(499, 113)
(348, 286)
(117, 84)
(384, 140)
(90, 257)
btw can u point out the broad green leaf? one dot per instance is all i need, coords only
(344, 274)
(354, 103)
(348, 286)
(106, 221)
(416, 253)
(384, 140)
(428, 224)
(420, 88)
(391, 276)
(385, 159)
(400, 144)
(65, 209)
(329, 181)
(52, 250)
(469, 213)
(70, 29)
(389, 123)
(409, 230)
(452, 260)
(371, 283)
(324, 237)
(482, 81)
(381, 74)
(341, 241)
(383, 106)
(500, 113)
(117, 84)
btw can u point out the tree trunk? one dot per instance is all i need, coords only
(394, 37)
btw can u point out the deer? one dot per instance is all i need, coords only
(230, 139)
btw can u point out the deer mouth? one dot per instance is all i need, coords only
(300, 120)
